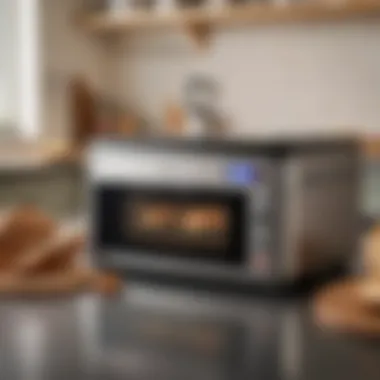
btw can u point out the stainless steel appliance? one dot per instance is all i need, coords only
(264, 211)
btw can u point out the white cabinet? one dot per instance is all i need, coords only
(19, 67)
(9, 86)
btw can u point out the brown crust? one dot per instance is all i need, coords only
(25, 228)
(38, 258)
(55, 257)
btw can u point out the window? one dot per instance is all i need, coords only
(19, 68)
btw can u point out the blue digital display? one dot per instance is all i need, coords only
(242, 173)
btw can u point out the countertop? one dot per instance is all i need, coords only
(32, 156)
(162, 333)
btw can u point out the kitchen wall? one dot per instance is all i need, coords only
(67, 52)
(302, 77)
(273, 78)
(289, 78)
(57, 189)
(9, 98)
(292, 77)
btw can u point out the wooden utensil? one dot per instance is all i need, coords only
(83, 111)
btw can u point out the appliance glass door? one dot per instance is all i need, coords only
(199, 224)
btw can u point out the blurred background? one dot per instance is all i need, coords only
(74, 71)
(273, 67)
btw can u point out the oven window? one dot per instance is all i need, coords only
(198, 223)
(190, 224)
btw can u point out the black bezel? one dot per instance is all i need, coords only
(109, 222)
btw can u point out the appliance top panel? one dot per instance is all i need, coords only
(274, 147)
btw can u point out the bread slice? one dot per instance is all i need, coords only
(370, 291)
(55, 255)
(23, 229)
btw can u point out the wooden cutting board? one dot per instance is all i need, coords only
(79, 281)
(70, 282)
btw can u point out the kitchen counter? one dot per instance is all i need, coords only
(175, 334)
(18, 156)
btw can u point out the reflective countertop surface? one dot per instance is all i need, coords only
(160, 333)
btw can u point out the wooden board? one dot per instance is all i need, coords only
(66, 283)
(343, 307)
(60, 284)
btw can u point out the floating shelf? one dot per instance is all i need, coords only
(260, 13)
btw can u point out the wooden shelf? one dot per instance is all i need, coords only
(314, 10)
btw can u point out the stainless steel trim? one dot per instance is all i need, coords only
(291, 217)
(108, 165)
(318, 212)
(135, 261)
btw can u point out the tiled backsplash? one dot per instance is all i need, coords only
(58, 189)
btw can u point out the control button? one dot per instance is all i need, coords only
(242, 173)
